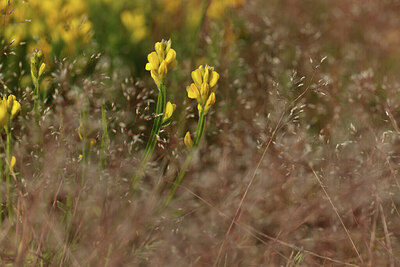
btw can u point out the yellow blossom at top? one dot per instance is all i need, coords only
(203, 87)
(161, 61)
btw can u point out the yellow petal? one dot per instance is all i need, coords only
(10, 102)
(192, 91)
(159, 47)
(41, 70)
(169, 110)
(196, 76)
(210, 102)
(149, 66)
(153, 60)
(188, 140)
(162, 70)
(205, 88)
(214, 79)
(15, 109)
(171, 56)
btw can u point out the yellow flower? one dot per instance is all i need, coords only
(188, 140)
(203, 87)
(169, 110)
(161, 61)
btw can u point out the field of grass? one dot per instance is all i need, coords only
(200, 133)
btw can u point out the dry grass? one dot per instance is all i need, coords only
(298, 167)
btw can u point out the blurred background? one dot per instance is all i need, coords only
(305, 122)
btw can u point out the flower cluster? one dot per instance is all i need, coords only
(161, 61)
(9, 108)
(203, 87)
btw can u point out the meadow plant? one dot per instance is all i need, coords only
(9, 108)
(161, 61)
(202, 89)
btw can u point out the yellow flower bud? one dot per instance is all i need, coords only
(210, 102)
(41, 70)
(169, 110)
(188, 140)
(15, 109)
(13, 162)
(10, 103)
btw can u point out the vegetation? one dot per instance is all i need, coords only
(199, 133)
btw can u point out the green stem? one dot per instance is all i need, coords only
(151, 143)
(199, 133)
(36, 104)
(8, 168)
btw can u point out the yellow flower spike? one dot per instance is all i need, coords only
(161, 61)
(188, 140)
(169, 110)
(196, 76)
(13, 162)
(203, 89)
(210, 102)
(193, 92)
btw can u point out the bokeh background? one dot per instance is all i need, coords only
(299, 164)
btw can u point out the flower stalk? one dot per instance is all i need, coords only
(203, 90)
(162, 60)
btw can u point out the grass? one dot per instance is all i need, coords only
(297, 165)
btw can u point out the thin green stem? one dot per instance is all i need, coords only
(8, 168)
(199, 133)
(151, 143)
(36, 104)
